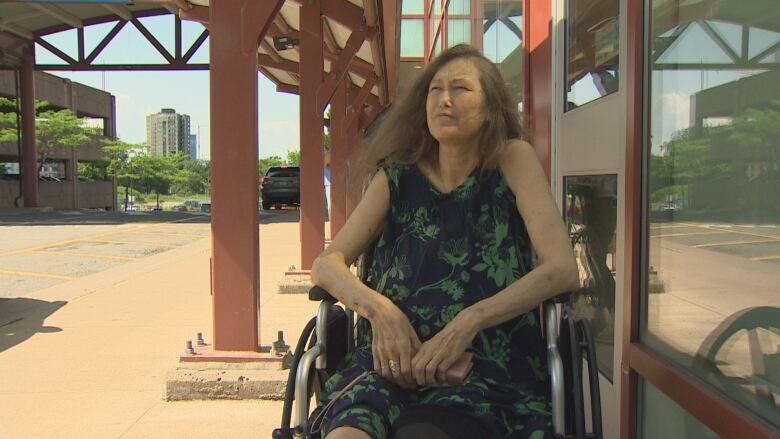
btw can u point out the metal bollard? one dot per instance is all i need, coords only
(279, 346)
(189, 350)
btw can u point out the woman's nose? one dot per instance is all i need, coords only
(444, 99)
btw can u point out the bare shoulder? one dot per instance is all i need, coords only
(520, 166)
(365, 222)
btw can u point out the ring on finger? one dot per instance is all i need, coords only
(393, 367)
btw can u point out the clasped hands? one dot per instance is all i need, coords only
(399, 356)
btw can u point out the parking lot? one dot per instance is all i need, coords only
(41, 249)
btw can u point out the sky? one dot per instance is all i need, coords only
(139, 94)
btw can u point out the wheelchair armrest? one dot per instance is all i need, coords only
(318, 294)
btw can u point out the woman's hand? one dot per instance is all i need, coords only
(436, 355)
(395, 343)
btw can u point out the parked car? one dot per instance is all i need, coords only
(179, 208)
(281, 185)
(205, 207)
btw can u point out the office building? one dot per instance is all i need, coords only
(168, 132)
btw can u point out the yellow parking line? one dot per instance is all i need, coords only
(685, 234)
(33, 274)
(168, 234)
(86, 255)
(739, 232)
(716, 244)
(667, 226)
(107, 241)
(765, 258)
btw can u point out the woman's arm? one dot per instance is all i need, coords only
(331, 268)
(394, 339)
(556, 270)
(555, 273)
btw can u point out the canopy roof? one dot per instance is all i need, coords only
(21, 23)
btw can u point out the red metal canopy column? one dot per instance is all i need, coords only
(235, 31)
(312, 124)
(29, 151)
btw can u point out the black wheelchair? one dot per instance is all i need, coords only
(329, 336)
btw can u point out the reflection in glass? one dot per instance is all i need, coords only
(591, 216)
(458, 31)
(592, 48)
(502, 26)
(660, 417)
(713, 268)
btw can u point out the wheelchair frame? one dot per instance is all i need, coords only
(567, 395)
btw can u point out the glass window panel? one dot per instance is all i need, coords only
(412, 37)
(458, 31)
(592, 50)
(414, 7)
(459, 7)
(502, 43)
(712, 299)
(660, 417)
(591, 216)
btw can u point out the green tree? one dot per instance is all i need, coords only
(59, 128)
(119, 154)
(155, 173)
(294, 158)
(190, 176)
(52, 128)
(267, 162)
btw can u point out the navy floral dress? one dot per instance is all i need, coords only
(438, 254)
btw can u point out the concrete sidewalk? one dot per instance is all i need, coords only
(90, 361)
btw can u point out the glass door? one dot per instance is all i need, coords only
(589, 137)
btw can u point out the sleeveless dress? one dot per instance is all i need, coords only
(438, 254)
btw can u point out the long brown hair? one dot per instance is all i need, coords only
(403, 137)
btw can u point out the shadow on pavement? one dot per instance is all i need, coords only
(21, 318)
(280, 216)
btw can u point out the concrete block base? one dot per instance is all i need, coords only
(185, 384)
(295, 282)
(210, 374)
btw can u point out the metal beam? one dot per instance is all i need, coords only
(341, 11)
(341, 66)
(196, 13)
(120, 11)
(62, 55)
(17, 30)
(195, 45)
(356, 106)
(328, 37)
(120, 67)
(312, 222)
(58, 13)
(151, 38)
(282, 64)
(271, 51)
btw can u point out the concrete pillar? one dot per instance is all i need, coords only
(312, 121)
(29, 164)
(72, 165)
(72, 176)
(235, 30)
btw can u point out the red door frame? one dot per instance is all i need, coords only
(725, 418)
(718, 413)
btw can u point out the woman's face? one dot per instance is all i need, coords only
(454, 108)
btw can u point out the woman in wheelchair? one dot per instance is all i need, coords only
(455, 207)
